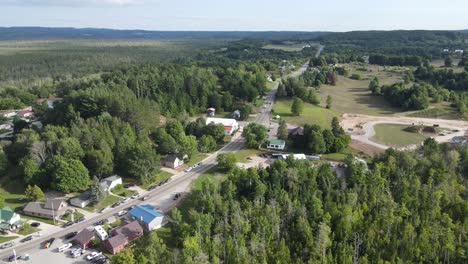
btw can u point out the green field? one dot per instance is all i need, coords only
(109, 200)
(242, 154)
(394, 135)
(28, 230)
(442, 112)
(270, 85)
(311, 115)
(286, 47)
(4, 239)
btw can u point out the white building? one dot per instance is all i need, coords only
(230, 125)
(110, 182)
(149, 218)
(101, 233)
(277, 144)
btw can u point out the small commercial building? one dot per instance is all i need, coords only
(149, 218)
(84, 238)
(110, 182)
(101, 233)
(277, 144)
(53, 208)
(230, 125)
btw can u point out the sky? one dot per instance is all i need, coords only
(238, 15)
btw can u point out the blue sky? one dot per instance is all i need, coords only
(259, 15)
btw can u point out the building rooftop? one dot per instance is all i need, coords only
(129, 230)
(277, 142)
(146, 213)
(84, 236)
(224, 121)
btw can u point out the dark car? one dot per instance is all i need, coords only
(70, 235)
(101, 222)
(99, 259)
(67, 224)
(81, 219)
(144, 198)
(49, 242)
(115, 204)
(176, 196)
(28, 238)
(13, 258)
(35, 224)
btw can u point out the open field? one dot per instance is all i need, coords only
(311, 115)
(440, 111)
(286, 47)
(242, 154)
(394, 135)
(353, 96)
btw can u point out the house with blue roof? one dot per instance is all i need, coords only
(148, 217)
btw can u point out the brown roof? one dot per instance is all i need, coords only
(129, 230)
(84, 237)
(298, 131)
(117, 240)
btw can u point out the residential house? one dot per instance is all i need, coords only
(9, 114)
(26, 113)
(149, 218)
(230, 125)
(173, 161)
(110, 182)
(81, 200)
(9, 220)
(210, 111)
(296, 136)
(277, 144)
(84, 238)
(53, 208)
(236, 114)
(101, 233)
(122, 236)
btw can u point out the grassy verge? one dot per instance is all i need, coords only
(259, 102)
(197, 158)
(37, 219)
(4, 239)
(443, 112)
(311, 115)
(28, 230)
(394, 135)
(161, 176)
(68, 216)
(242, 154)
(110, 199)
(270, 85)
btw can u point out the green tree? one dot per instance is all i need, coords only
(226, 161)
(99, 162)
(448, 62)
(207, 144)
(142, 162)
(97, 191)
(3, 162)
(374, 85)
(336, 128)
(70, 148)
(68, 175)
(255, 135)
(329, 102)
(282, 130)
(34, 193)
(297, 106)
(216, 131)
(29, 169)
(125, 256)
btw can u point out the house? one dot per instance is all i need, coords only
(116, 243)
(81, 200)
(173, 161)
(122, 236)
(110, 182)
(210, 111)
(236, 114)
(230, 125)
(278, 144)
(101, 233)
(26, 113)
(9, 219)
(297, 131)
(53, 208)
(149, 218)
(84, 238)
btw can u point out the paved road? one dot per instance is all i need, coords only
(161, 197)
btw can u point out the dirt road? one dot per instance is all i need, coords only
(361, 127)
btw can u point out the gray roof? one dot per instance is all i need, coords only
(39, 208)
(84, 236)
(106, 182)
(83, 197)
(53, 204)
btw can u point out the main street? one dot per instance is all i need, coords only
(160, 197)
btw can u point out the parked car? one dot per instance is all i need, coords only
(104, 209)
(122, 213)
(67, 224)
(28, 238)
(70, 235)
(35, 224)
(81, 219)
(101, 261)
(176, 196)
(14, 257)
(93, 255)
(49, 242)
(144, 198)
(64, 247)
(126, 200)
(98, 258)
(101, 222)
(7, 245)
(115, 204)
(188, 169)
(135, 196)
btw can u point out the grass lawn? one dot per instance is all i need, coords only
(161, 176)
(12, 192)
(286, 47)
(197, 158)
(394, 135)
(259, 102)
(311, 115)
(242, 154)
(124, 192)
(28, 230)
(37, 219)
(4, 239)
(442, 111)
(109, 200)
(270, 85)
(67, 216)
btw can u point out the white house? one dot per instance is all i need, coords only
(173, 161)
(230, 125)
(149, 218)
(81, 200)
(9, 219)
(110, 182)
(277, 144)
(101, 233)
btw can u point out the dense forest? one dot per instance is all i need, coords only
(409, 207)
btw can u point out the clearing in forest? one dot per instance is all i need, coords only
(395, 135)
(312, 114)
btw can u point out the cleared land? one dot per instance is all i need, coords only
(394, 135)
(286, 47)
(311, 115)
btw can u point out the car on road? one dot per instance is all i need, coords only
(70, 235)
(14, 257)
(81, 219)
(126, 200)
(7, 245)
(93, 255)
(188, 169)
(176, 196)
(135, 196)
(101, 222)
(104, 209)
(122, 213)
(115, 205)
(99, 258)
(49, 242)
(35, 224)
(28, 238)
(64, 247)
(144, 198)
(67, 224)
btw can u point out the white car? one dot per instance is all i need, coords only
(188, 169)
(126, 200)
(64, 247)
(93, 255)
(135, 196)
(122, 213)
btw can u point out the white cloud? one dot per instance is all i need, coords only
(74, 2)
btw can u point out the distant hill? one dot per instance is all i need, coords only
(14, 33)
